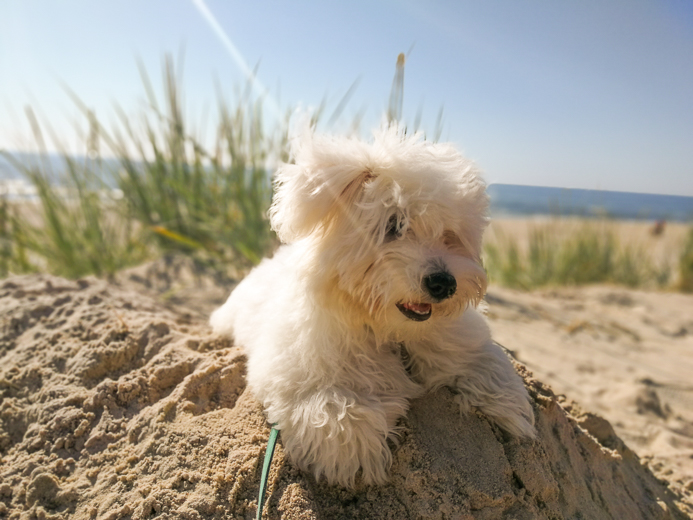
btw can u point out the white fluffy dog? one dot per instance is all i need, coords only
(372, 302)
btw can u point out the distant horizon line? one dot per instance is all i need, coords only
(587, 189)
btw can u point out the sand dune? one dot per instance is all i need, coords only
(114, 406)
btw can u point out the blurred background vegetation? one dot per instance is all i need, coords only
(159, 191)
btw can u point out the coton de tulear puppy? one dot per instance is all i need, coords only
(372, 302)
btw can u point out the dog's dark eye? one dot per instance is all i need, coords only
(394, 229)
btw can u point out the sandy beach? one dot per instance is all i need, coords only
(626, 355)
(117, 402)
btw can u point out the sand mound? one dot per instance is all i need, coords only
(115, 407)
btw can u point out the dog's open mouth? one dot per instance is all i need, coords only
(415, 311)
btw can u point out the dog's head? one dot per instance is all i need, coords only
(394, 226)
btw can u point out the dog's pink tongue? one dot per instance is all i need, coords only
(420, 308)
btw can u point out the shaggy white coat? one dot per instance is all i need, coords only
(331, 356)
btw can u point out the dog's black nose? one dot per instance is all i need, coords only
(440, 285)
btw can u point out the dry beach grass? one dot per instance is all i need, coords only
(541, 251)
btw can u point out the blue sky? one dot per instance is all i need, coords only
(586, 94)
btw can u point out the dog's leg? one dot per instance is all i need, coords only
(336, 432)
(465, 358)
(491, 384)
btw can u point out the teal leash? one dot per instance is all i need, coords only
(269, 453)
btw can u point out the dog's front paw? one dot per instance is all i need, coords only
(515, 417)
(512, 412)
(342, 442)
(493, 386)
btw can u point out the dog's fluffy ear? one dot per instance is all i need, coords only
(326, 176)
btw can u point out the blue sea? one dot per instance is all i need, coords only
(506, 199)
(516, 200)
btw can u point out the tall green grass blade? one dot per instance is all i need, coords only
(395, 103)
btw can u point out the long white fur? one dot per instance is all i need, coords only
(330, 355)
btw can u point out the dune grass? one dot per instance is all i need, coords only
(164, 191)
(561, 252)
(75, 228)
(207, 201)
